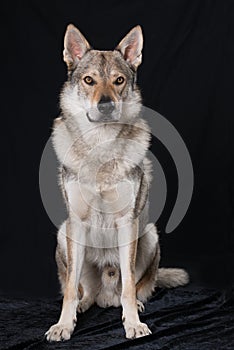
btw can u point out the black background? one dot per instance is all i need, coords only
(187, 76)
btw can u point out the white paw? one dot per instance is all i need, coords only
(59, 332)
(140, 306)
(136, 331)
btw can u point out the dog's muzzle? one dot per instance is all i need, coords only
(106, 107)
(106, 111)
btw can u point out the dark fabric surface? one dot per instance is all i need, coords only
(182, 318)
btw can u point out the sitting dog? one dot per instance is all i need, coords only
(107, 252)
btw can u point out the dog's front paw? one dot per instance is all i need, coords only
(136, 331)
(59, 332)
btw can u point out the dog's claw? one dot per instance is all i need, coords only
(140, 306)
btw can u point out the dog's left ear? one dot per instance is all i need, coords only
(131, 47)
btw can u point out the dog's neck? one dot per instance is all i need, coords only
(95, 133)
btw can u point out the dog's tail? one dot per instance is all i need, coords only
(171, 277)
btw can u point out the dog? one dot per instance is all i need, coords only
(107, 251)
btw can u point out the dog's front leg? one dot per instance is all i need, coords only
(75, 257)
(127, 236)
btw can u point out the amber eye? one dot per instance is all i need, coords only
(89, 80)
(119, 81)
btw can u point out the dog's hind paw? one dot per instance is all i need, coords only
(84, 304)
(140, 306)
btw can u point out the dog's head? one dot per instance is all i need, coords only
(101, 83)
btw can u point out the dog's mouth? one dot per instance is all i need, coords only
(89, 118)
(107, 118)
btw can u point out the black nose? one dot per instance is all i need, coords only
(106, 105)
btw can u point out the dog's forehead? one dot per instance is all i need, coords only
(104, 63)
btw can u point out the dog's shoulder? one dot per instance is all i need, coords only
(138, 131)
(63, 143)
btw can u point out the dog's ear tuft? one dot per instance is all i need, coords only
(75, 46)
(131, 46)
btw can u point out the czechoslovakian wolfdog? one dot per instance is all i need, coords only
(107, 252)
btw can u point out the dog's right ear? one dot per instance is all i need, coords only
(75, 46)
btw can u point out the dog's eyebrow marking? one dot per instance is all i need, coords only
(91, 72)
(115, 73)
(123, 67)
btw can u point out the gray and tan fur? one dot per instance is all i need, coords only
(107, 252)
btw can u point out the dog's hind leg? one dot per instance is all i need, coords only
(149, 275)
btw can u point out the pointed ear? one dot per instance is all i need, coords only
(75, 46)
(131, 46)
